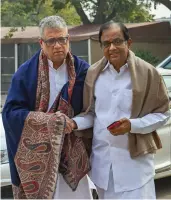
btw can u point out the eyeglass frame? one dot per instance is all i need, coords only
(109, 43)
(56, 40)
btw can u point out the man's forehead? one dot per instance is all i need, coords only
(112, 31)
(48, 30)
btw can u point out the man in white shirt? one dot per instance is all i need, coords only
(126, 89)
(45, 93)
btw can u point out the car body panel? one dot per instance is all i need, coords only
(163, 155)
(5, 175)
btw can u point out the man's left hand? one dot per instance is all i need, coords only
(125, 127)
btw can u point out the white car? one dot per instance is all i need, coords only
(162, 158)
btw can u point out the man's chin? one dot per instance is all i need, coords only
(114, 60)
(59, 58)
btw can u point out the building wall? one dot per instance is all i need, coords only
(96, 51)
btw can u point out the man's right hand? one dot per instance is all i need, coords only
(69, 125)
(72, 125)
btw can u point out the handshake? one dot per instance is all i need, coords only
(70, 124)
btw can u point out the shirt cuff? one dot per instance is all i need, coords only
(83, 122)
(135, 126)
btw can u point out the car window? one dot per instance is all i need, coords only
(168, 65)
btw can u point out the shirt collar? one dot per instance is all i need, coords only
(111, 66)
(50, 63)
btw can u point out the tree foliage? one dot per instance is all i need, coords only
(28, 13)
(15, 14)
(23, 13)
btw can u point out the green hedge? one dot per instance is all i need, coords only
(147, 56)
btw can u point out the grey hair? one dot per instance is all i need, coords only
(51, 22)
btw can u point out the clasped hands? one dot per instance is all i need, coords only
(70, 124)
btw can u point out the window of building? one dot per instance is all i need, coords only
(26, 51)
(7, 66)
(80, 49)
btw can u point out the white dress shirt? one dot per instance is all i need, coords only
(57, 78)
(113, 101)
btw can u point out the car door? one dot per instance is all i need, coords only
(163, 156)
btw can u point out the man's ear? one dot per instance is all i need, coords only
(41, 42)
(129, 42)
(68, 37)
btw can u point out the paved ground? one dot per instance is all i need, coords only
(163, 189)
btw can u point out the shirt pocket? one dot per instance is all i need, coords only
(125, 100)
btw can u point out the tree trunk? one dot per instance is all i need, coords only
(81, 12)
(166, 3)
(100, 17)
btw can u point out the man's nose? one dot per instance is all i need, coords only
(57, 44)
(112, 46)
